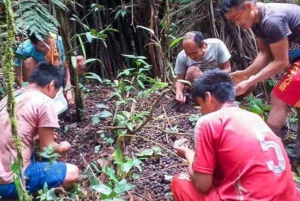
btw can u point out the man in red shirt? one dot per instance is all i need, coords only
(237, 156)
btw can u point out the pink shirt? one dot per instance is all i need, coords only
(34, 110)
(247, 160)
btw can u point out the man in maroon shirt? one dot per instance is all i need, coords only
(277, 28)
(237, 156)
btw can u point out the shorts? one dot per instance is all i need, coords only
(288, 88)
(183, 189)
(36, 175)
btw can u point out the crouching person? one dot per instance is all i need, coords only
(237, 156)
(36, 117)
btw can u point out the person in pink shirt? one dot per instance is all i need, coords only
(36, 118)
(237, 156)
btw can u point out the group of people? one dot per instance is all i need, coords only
(237, 155)
(47, 74)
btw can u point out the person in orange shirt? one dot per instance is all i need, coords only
(237, 156)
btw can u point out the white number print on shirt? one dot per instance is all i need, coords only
(267, 146)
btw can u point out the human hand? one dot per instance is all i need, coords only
(238, 76)
(242, 87)
(180, 97)
(80, 64)
(64, 146)
(70, 97)
(180, 149)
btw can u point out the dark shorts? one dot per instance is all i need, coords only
(36, 175)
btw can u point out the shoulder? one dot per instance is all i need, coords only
(37, 99)
(182, 55)
(26, 46)
(213, 41)
(210, 120)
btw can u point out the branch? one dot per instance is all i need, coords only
(155, 127)
(151, 111)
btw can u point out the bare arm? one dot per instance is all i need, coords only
(179, 85)
(203, 182)
(68, 77)
(19, 77)
(46, 138)
(261, 60)
(226, 66)
(281, 61)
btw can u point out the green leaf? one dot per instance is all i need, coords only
(97, 149)
(104, 114)
(110, 173)
(176, 41)
(118, 156)
(130, 126)
(102, 106)
(93, 76)
(103, 189)
(141, 84)
(123, 186)
(150, 152)
(92, 60)
(126, 167)
(133, 56)
(60, 4)
(255, 109)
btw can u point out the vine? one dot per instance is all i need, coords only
(11, 104)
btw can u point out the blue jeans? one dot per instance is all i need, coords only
(36, 175)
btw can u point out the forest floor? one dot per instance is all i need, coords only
(153, 182)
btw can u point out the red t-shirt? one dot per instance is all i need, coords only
(247, 160)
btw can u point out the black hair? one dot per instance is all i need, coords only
(45, 73)
(32, 37)
(218, 83)
(228, 4)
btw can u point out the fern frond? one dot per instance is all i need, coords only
(32, 16)
(60, 4)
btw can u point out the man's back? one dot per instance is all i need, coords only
(34, 109)
(277, 21)
(249, 160)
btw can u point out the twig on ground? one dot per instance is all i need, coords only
(149, 117)
(155, 127)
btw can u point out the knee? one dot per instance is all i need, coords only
(29, 63)
(72, 175)
(277, 103)
(176, 183)
(192, 73)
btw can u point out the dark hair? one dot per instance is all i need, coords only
(45, 73)
(218, 83)
(197, 37)
(32, 37)
(228, 4)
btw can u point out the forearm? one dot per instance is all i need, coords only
(68, 77)
(19, 77)
(179, 87)
(261, 61)
(270, 70)
(190, 155)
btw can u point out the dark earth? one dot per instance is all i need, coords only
(154, 180)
